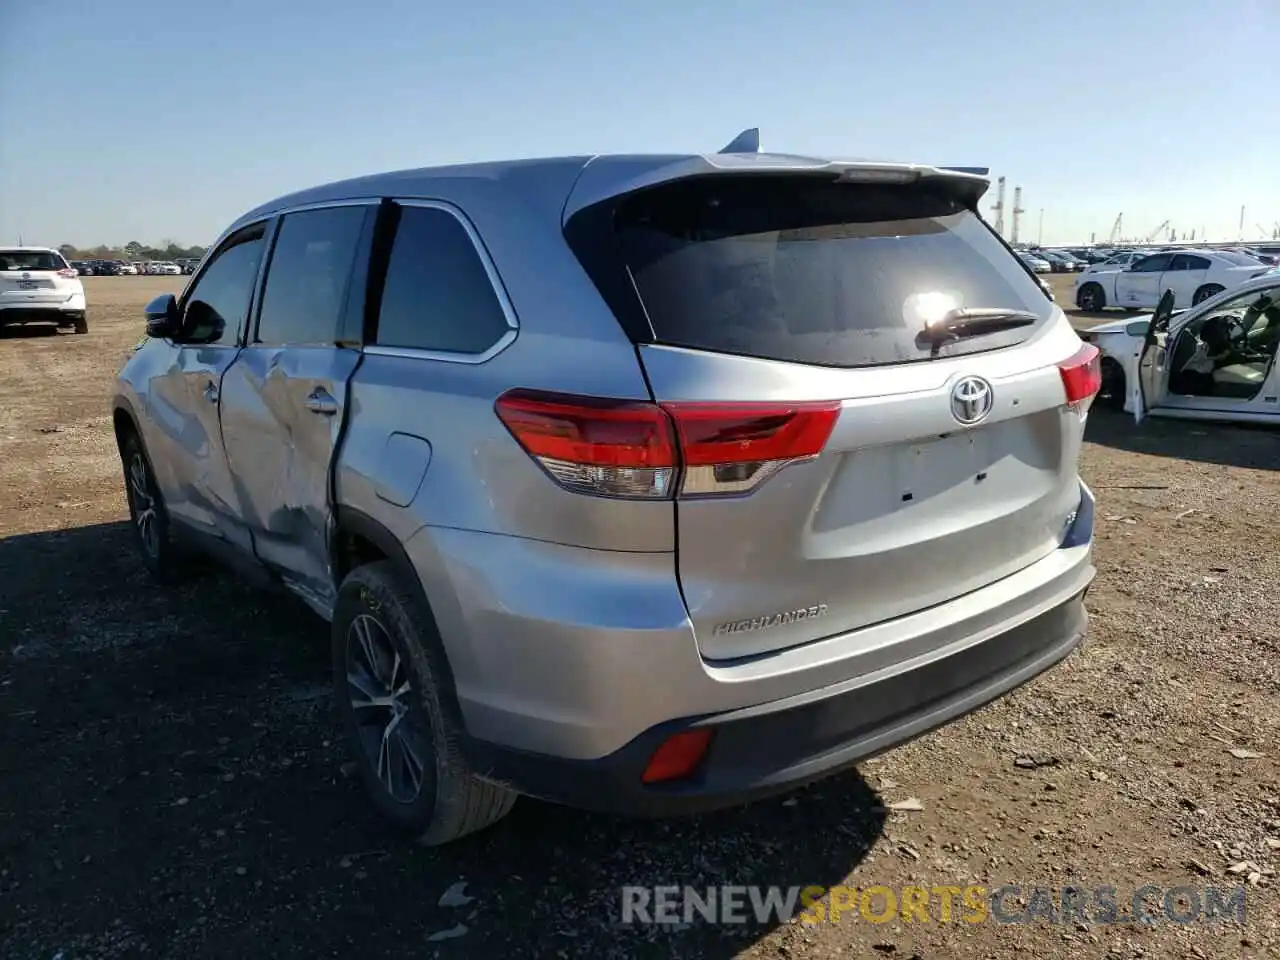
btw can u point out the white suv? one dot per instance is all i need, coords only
(38, 286)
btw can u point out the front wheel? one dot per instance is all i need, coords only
(391, 683)
(1090, 298)
(1111, 395)
(81, 325)
(1205, 292)
(160, 555)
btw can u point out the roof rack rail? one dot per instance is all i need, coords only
(980, 171)
(748, 141)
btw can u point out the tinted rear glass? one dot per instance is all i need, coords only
(816, 271)
(31, 260)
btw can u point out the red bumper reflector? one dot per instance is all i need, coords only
(678, 756)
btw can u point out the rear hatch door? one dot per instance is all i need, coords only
(34, 277)
(950, 461)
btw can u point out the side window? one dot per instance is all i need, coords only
(438, 295)
(217, 304)
(1154, 264)
(308, 275)
(1195, 263)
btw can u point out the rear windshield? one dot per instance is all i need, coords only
(816, 271)
(31, 260)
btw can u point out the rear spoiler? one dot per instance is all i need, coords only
(612, 177)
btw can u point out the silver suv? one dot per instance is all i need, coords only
(639, 483)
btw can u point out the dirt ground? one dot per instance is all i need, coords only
(172, 784)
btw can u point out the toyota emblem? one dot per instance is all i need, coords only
(971, 400)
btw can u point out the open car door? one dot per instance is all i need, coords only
(1152, 360)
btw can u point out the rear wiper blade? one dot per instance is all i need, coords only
(974, 321)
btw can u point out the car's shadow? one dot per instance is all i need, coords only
(174, 781)
(1234, 445)
(17, 331)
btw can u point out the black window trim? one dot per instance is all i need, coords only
(249, 334)
(265, 227)
(1153, 256)
(495, 281)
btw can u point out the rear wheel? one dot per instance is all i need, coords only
(1090, 298)
(390, 681)
(1207, 291)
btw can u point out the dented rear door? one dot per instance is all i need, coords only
(284, 400)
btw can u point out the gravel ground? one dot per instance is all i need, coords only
(171, 783)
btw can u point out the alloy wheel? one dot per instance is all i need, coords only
(144, 505)
(388, 727)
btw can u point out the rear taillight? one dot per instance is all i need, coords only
(69, 273)
(634, 449)
(1082, 377)
(734, 447)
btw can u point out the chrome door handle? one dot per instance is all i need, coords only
(211, 392)
(321, 401)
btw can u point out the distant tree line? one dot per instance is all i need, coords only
(133, 250)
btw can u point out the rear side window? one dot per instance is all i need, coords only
(438, 295)
(31, 260)
(1238, 259)
(815, 271)
(307, 278)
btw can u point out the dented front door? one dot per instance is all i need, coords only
(282, 413)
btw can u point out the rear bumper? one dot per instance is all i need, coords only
(777, 746)
(67, 312)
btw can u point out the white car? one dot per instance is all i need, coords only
(128, 270)
(1118, 260)
(1193, 275)
(167, 269)
(1216, 361)
(37, 285)
(1037, 264)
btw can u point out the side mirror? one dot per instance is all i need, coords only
(1138, 328)
(163, 321)
(1164, 311)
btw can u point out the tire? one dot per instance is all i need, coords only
(1205, 292)
(1090, 298)
(81, 325)
(1112, 394)
(384, 640)
(148, 515)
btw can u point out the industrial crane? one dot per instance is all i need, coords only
(1150, 238)
(1115, 228)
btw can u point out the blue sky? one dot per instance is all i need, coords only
(142, 120)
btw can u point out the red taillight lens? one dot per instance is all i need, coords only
(678, 756)
(606, 447)
(734, 447)
(1082, 377)
(633, 449)
(68, 272)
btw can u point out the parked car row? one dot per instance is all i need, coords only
(126, 268)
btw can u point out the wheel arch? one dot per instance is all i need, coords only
(357, 539)
(124, 420)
